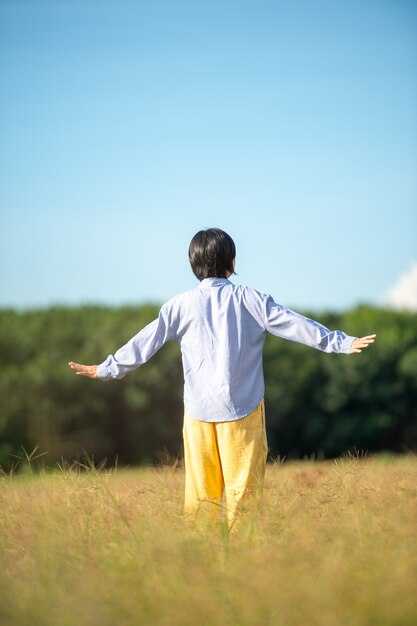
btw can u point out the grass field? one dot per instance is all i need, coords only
(335, 544)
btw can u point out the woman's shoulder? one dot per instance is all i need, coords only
(250, 293)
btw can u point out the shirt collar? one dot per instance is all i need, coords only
(207, 283)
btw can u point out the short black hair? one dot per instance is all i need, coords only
(211, 253)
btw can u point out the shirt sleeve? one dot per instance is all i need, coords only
(139, 349)
(288, 324)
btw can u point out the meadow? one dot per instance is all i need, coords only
(333, 544)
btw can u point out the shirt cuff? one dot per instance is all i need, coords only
(346, 344)
(103, 371)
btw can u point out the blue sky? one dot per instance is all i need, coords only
(125, 127)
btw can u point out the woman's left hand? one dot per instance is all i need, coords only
(90, 371)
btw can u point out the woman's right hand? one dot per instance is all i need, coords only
(360, 343)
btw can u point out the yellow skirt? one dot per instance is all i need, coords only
(224, 459)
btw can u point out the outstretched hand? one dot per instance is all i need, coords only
(90, 371)
(360, 343)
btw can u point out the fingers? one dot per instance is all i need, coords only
(366, 341)
(77, 367)
(90, 371)
(361, 343)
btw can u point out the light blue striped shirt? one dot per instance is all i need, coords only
(221, 330)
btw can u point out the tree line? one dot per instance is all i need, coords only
(316, 404)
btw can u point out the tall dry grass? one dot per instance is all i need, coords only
(335, 544)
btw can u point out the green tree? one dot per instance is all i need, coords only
(322, 404)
